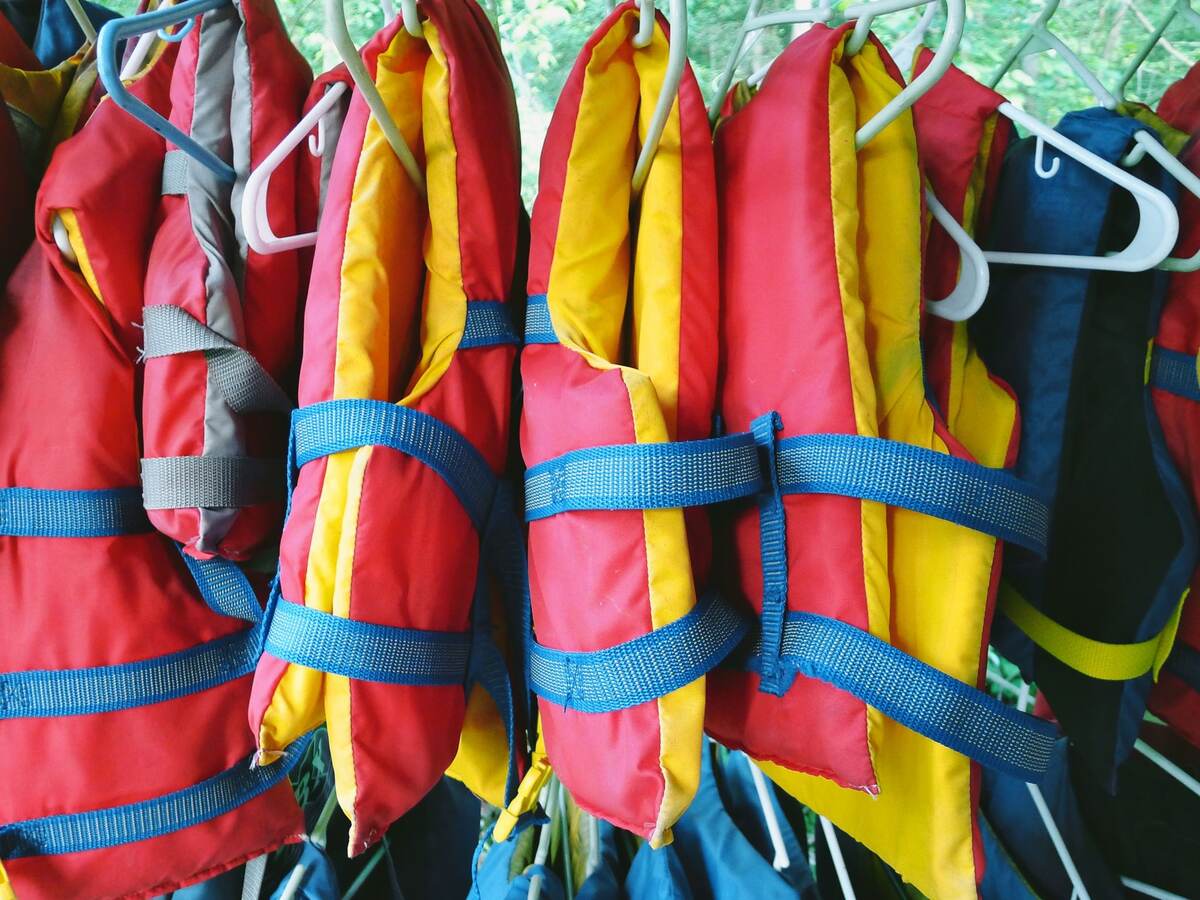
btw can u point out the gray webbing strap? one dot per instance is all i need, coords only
(211, 482)
(245, 384)
(175, 172)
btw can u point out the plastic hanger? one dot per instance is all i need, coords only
(339, 35)
(863, 14)
(1147, 144)
(839, 862)
(974, 275)
(117, 30)
(256, 223)
(676, 62)
(904, 50)
(781, 861)
(1158, 224)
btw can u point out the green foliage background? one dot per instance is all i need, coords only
(541, 39)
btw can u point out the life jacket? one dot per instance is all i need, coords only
(1175, 388)
(1022, 860)
(1074, 345)
(937, 497)
(904, 791)
(221, 321)
(148, 684)
(50, 29)
(621, 334)
(388, 630)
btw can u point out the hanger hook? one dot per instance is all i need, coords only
(1039, 166)
(646, 16)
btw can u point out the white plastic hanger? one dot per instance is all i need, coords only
(676, 63)
(256, 223)
(974, 277)
(781, 860)
(839, 862)
(904, 50)
(1146, 142)
(339, 35)
(863, 14)
(1158, 220)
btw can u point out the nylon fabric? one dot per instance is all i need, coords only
(400, 285)
(240, 89)
(1122, 533)
(128, 598)
(208, 481)
(1176, 395)
(630, 290)
(37, 512)
(907, 797)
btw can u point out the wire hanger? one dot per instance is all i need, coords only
(676, 63)
(1158, 231)
(117, 30)
(339, 35)
(864, 14)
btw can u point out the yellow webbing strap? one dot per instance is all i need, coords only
(1096, 659)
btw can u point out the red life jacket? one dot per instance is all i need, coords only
(383, 627)
(220, 319)
(126, 765)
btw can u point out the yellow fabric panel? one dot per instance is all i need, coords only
(1172, 138)
(75, 239)
(445, 309)
(844, 200)
(381, 267)
(482, 759)
(38, 94)
(587, 296)
(337, 687)
(6, 888)
(921, 820)
(1096, 659)
(591, 253)
(73, 104)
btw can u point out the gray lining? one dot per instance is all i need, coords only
(229, 482)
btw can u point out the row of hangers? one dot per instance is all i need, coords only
(1150, 247)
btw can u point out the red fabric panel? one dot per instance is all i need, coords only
(783, 348)
(68, 382)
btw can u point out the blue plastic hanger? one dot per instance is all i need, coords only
(106, 58)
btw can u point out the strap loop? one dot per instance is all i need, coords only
(488, 325)
(38, 512)
(118, 825)
(76, 692)
(334, 426)
(380, 653)
(1175, 373)
(916, 695)
(539, 329)
(224, 587)
(244, 384)
(642, 669)
(209, 482)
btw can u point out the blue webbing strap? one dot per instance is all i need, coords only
(539, 329)
(337, 425)
(692, 473)
(645, 476)
(224, 587)
(488, 325)
(1175, 373)
(76, 692)
(362, 650)
(36, 512)
(117, 825)
(917, 695)
(642, 669)
(992, 501)
(772, 540)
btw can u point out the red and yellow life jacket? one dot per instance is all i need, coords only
(122, 693)
(397, 535)
(621, 327)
